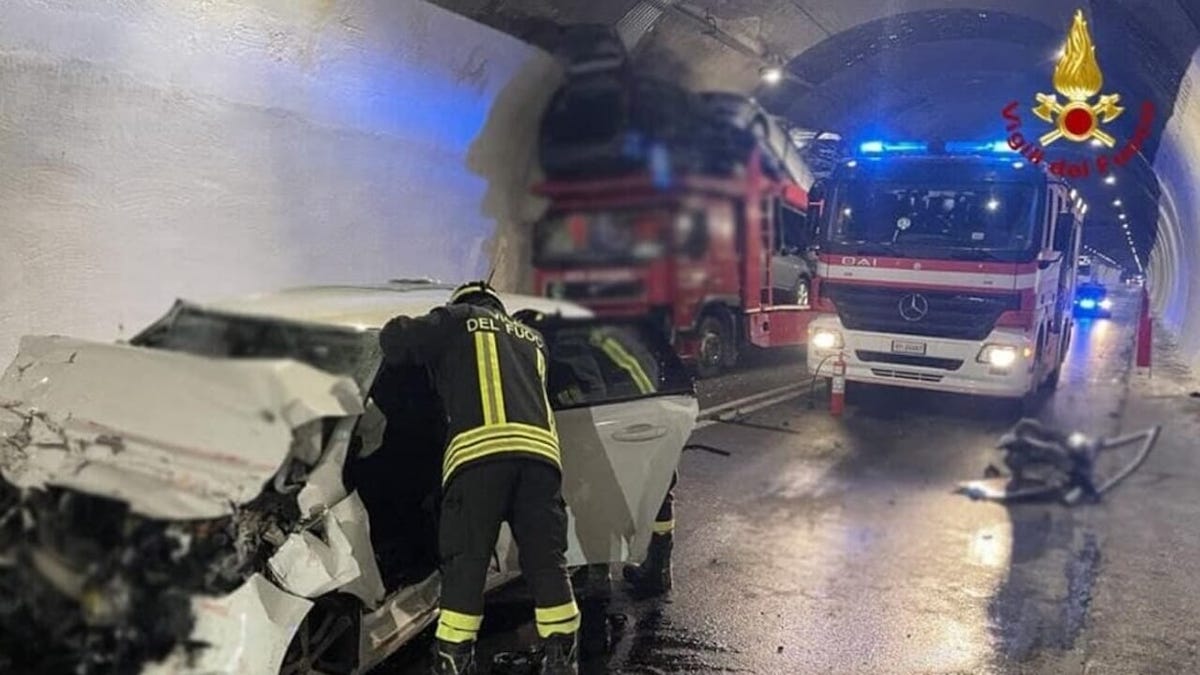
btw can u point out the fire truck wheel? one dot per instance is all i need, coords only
(716, 343)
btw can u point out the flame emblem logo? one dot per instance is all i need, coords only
(1077, 77)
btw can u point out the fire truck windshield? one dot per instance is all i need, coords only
(613, 237)
(981, 220)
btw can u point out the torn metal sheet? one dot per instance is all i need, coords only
(247, 631)
(406, 613)
(176, 436)
(351, 516)
(310, 566)
(324, 486)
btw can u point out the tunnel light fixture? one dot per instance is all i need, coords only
(1096, 143)
(1110, 180)
(1116, 202)
(1121, 216)
(1125, 225)
(993, 204)
(1084, 209)
(852, 163)
(771, 75)
(1074, 193)
(1018, 165)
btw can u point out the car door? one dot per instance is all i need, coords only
(625, 406)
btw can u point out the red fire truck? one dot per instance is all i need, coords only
(721, 260)
(949, 267)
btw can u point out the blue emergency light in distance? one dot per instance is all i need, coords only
(954, 147)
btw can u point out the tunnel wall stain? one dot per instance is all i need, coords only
(159, 149)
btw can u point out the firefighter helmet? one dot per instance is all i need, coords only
(477, 293)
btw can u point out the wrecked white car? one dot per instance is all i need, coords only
(245, 489)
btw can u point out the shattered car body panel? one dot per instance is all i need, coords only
(173, 435)
(210, 536)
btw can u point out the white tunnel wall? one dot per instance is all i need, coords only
(161, 149)
(1174, 272)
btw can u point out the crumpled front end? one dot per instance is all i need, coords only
(143, 496)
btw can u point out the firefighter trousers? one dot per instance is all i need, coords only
(527, 493)
(664, 522)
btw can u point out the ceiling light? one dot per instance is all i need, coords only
(1110, 180)
(1121, 216)
(771, 75)
(1116, 202)
(993, 204)
(1074, 193)
(1018, 165)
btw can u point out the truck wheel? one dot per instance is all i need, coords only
(802, 286)
(716, 342)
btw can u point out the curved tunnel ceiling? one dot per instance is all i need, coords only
(917, 68)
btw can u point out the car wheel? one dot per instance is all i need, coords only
(715, 343)
(326, 642)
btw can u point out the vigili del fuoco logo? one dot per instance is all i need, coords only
(1081, 117)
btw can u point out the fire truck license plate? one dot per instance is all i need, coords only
(905, 347)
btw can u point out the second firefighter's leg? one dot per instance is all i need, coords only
(473, 507)
(654, 575)
(539, 524)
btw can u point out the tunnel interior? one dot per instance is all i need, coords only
(931, 69)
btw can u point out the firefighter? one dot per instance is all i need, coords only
(501, 463)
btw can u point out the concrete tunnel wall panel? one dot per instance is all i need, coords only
(159, 149)
(1174, 274)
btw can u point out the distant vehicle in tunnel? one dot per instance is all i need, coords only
(948, 267)
(246, 488)
(1092, 301)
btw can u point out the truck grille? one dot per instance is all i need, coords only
(583, 291)
(908, 360)
(947, 314)
(906, 375)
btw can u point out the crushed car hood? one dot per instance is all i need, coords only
(175, 436)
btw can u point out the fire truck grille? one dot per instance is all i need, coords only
(585, 291)
(908, 360)
(954, 315)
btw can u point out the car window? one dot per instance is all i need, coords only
(340, 351)
(595, 362)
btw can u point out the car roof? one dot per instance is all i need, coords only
(370, 306)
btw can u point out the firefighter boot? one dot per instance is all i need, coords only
(562, 654)
(453, 658)
(653, 577)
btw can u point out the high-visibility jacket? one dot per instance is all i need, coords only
(490, 372)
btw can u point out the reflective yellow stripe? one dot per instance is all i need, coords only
(664, 526)
(514, 443)
(457, 627)
(483, 433)
(482, 366)
(500, 446)
(497, 384)
(557, 620)
(624, 359)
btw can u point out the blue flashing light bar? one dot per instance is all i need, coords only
(1087, 303)
(952, 147)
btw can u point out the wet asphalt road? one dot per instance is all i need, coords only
(825, 545)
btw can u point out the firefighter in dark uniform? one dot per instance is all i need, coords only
(501, 464)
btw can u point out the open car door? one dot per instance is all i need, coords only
(625, 406)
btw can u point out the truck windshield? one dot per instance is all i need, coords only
(969, 221)
(600, 237)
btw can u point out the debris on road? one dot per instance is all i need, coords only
(1044, 464)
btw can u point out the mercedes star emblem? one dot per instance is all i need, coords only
(913, 307)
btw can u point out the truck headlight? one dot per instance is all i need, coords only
(824, 338)
(998, 356)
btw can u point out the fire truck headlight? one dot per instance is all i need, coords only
(998, 356)
(824, 338)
